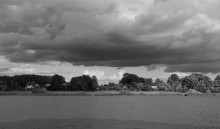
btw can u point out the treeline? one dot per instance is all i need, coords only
(130, 82)
(51, 83)
(19, 82)
(80, 83)
(196, 81)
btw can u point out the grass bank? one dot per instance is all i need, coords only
(103, 93)
(88, 123)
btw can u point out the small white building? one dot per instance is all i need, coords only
(154, 87)
(29, 87)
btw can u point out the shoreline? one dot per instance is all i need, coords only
(103, 93)
(93, 123)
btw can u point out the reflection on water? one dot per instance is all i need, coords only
(164, 109)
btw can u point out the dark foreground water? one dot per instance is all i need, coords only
(85, 112)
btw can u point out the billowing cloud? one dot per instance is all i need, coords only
(182, 35)
(101, 76)
(117, 76)
(97, 73)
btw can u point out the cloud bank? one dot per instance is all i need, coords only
(184, 36)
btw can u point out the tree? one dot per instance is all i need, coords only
(175, 83)
(19, 82)
(134, 86)
(82, 83)
(162, 86)
(57, 83)
(198, 82)
(217, 78)
(173, 78)
(216, 85)
(148, 80)
(129, 78)
(158, 81)
(95, 81)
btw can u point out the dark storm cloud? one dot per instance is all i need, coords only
(110, 33)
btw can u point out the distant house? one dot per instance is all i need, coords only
(47, 85)
(29, 87)
(154, 86)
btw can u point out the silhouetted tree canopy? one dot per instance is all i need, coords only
(57, 83)
(83, 83)
(196, 81)
(95, 81)
(19, 82)
(129, 78)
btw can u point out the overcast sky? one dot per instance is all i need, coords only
(151, 38)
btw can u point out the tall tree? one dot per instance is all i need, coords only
(217, 78)
(129, 78)
(175, 83)
(162, 86)
(198, 82)
(95, 81)
(82, 83)
(148, 80)
(216, 85)
(173, 78)
(57, 83)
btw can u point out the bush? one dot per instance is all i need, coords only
(39, 90)
(147, 87)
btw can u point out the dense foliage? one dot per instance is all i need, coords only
(130, 78)
(19, 82)
(198, 82)
(83, 83)
(195, 81)
(57, 83)
(134, 82)
(175, 83)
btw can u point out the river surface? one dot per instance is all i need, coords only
(190, 110)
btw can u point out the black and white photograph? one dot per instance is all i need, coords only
(109, 64)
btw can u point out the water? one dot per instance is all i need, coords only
(163, 109)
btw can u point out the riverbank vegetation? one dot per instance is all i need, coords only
(194, 83)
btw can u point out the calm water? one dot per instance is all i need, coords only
(163, 109)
